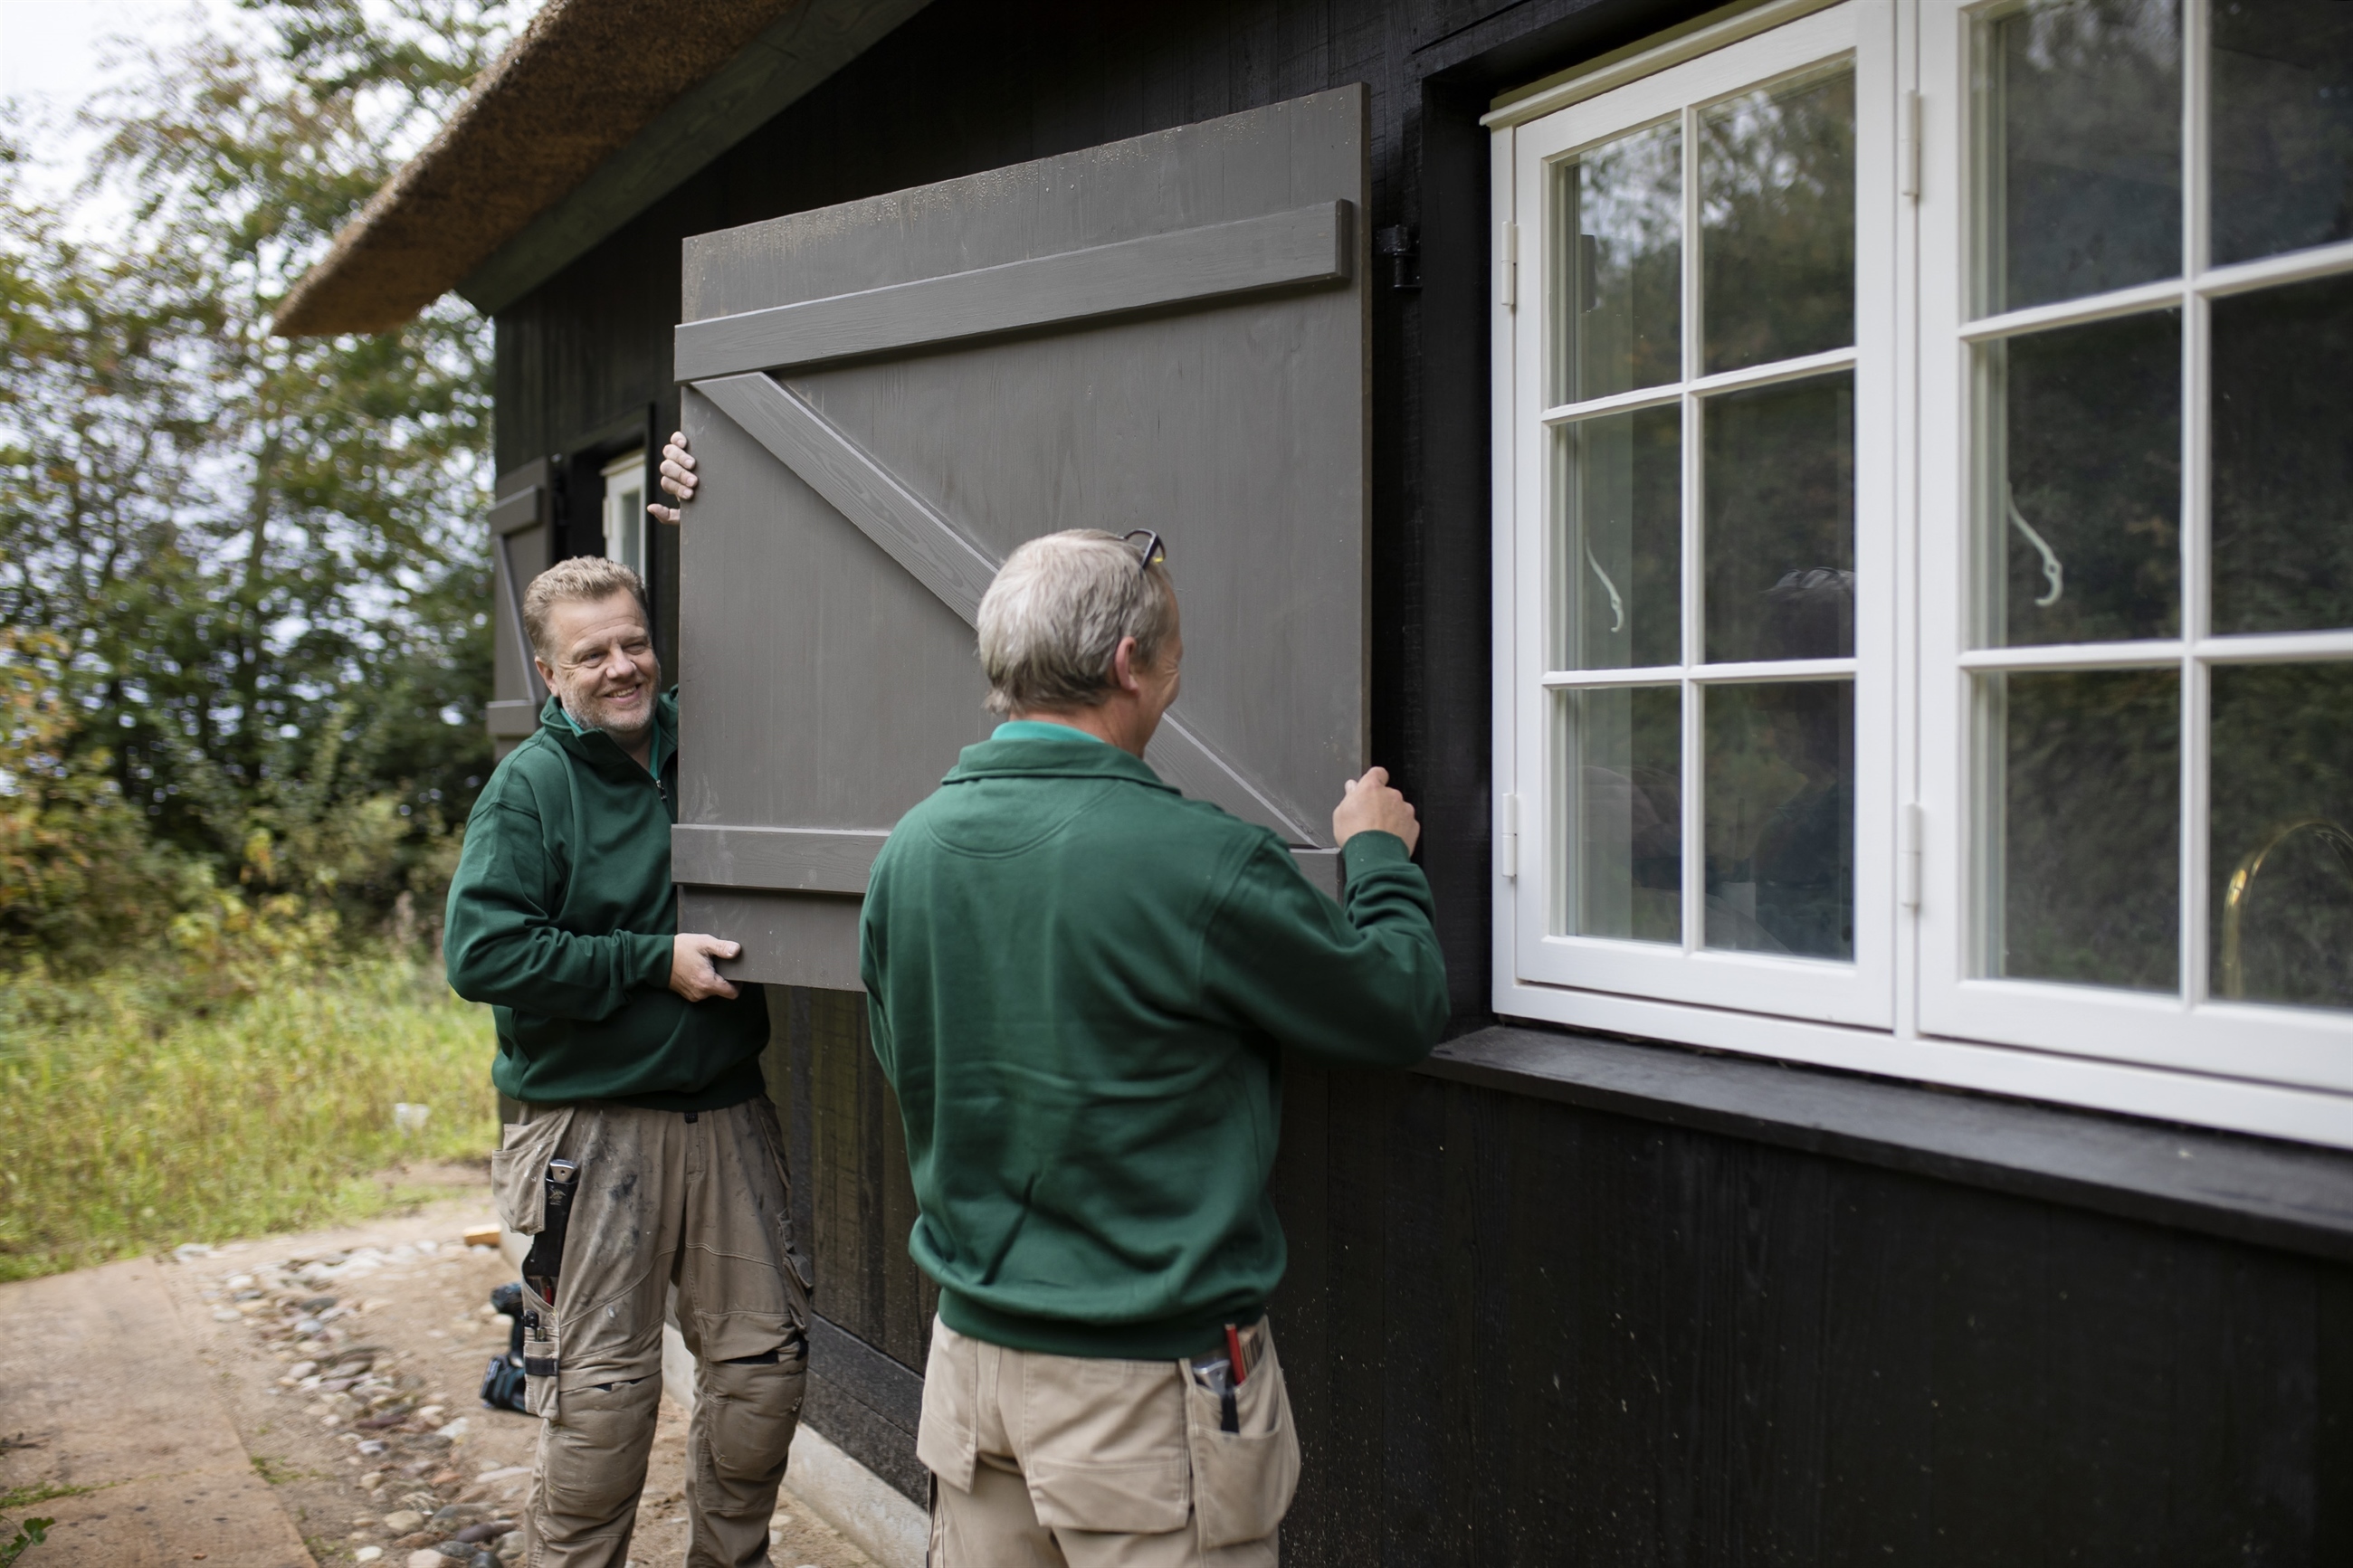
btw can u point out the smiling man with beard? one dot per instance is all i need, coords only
(638, 1068)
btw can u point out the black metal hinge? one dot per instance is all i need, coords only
(1399, 244)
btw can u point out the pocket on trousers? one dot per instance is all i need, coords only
(518, 1169)
(1242, 1481)
(1145, 1497)
(947, 1437)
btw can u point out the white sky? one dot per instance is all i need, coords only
(54, 55)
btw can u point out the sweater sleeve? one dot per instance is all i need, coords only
(1359, 983)
(503, 945)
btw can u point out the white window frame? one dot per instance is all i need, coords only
(624, 508)
(1908, 1007)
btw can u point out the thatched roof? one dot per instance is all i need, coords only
(585, 80)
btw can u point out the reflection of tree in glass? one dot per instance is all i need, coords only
(2086, 142)
(2091, 864)
(1623, 319)
(2094, 427)
(2283, 430)
(1780, 818)
(2284, 756)
(1776, 214)
(1779, 498)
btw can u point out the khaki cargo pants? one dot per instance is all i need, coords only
(698, 1201)
(1045, 1460)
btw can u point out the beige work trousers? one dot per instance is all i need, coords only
(1042, 1461)
(699, 1201)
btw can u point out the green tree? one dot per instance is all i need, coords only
(261, 555)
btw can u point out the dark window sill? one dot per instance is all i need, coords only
(2252, 1190)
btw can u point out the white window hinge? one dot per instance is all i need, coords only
(1507, 266)
(1511, 837)
(1907, 146)
(1913, 834)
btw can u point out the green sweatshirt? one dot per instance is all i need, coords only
(561, 917)
(1079, 983)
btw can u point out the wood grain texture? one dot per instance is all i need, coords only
(1212, 261)
(1243, 417)
(794, 859)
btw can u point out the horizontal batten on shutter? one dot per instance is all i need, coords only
(1286, 249)
(518, 512)
(956, 571)
(802, 859)
(835, 860)
(511, 720)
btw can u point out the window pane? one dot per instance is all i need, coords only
(1779, 521)
(2282, 125)
(2282, 849)
(1780, 817)
(1619, 489)
(1621, 826)
(1777, 220)
(2079, 150)
(1617, 279)
(2082, 814)
(2284, 459)
(2079, 510)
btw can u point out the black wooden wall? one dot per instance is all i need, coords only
(1519, 1331)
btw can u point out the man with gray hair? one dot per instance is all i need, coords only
(647, 1156)
(1080, 986)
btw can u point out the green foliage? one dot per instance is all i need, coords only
(250, 1090)
(15, 1543)
(254, 563)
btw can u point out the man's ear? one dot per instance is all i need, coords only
(546, 676)
(1123, 666)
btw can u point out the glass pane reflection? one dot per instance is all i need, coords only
(1619, 489)
(2080, 507)
(2283, 459)
(2283, 126)
(2079, 152)
(1779, 521)
(1776, 221)
(1780, 817)
(2083, 803)
(1617, 279)
(2281, 896)
(1622, 751)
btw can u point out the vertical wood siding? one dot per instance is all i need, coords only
(1521, 1332)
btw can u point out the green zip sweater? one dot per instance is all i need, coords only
(1079, 983)
(561, 917)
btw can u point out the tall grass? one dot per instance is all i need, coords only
(137, 1114)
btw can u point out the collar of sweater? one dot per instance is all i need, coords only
(600, 750)
(1027, 753)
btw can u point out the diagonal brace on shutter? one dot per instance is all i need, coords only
(953, 568)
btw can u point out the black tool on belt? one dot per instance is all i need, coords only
(542, 1266)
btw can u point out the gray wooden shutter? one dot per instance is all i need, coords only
(887, 397)
(519, 545)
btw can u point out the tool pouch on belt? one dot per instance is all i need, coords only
(542, 1349)
(1245, 1462)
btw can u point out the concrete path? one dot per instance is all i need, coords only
(102, 1392)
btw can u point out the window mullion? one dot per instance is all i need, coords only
(1694, 807)
(2196, 623)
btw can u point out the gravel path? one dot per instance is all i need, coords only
(350, 1362)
